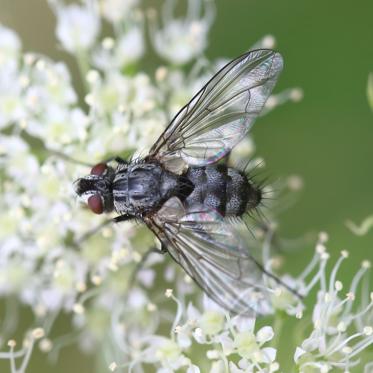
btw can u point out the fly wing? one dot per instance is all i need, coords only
(211, 252)
(221, 113)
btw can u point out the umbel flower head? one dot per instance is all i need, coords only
(341, 328)
(51, 264)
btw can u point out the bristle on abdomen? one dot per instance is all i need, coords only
(242, 195)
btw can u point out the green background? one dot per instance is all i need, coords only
(326, 138)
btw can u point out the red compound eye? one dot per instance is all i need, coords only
(99, 169)
(95, 204)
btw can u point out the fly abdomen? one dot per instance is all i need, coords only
(242, 195)
(209, 187)
(224, 189)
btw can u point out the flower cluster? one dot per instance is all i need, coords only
(219, 336)
(340, 329)
(56, 257)
(341, 326)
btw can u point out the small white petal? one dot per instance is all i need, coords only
(299, 352)
(212, 354)
(269, 354)
(265, 334)
(193, 369)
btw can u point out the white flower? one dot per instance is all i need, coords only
(9, 224)
(60, 127)
(49, 82)
(21, 165)
(15, 275)
(209, 323)
(166, 352)
(128, 49)
(12, 107)
(249, 345)
(135, 95)
(339, 334)
(77, 26)
(180, 40)
(10, 46)
(169, 352)
(117, 10)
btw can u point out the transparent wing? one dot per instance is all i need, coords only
(211, 252)
(221, 113)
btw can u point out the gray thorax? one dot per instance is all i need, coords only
(143, 187)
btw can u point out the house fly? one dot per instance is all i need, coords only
(184, 195)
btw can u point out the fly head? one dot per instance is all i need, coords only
(97, 188)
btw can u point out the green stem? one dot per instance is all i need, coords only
(277, 328)
(26, 359)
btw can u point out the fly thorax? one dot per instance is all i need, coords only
(137, 188)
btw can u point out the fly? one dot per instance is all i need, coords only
(181, 192)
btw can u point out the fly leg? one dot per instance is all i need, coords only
(123, 217)
(102, 225)
(66, 157)
(117, 159)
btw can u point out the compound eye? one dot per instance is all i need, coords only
(99, 169)
(95, 204)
